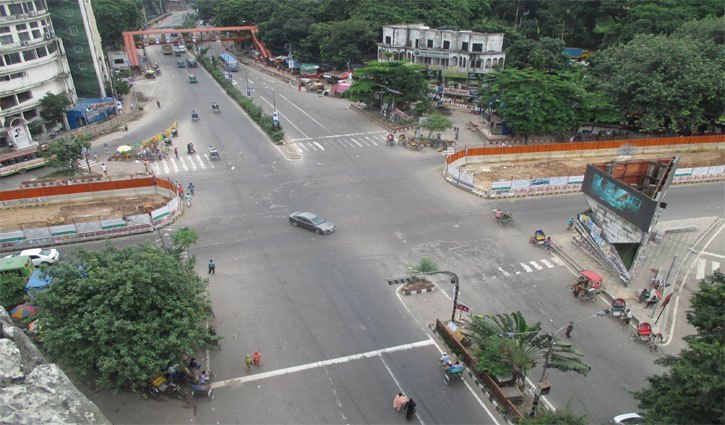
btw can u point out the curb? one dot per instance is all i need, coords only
(419, 289)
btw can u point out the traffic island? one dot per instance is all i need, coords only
(418, 287)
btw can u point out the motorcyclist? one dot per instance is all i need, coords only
(194, 115)
(190, 148)
(214, 106)
(445, 360)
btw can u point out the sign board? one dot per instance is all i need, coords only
(431, 54)
(464, 308)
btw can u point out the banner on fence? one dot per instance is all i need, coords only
(502, 186)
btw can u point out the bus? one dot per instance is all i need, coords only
(229, 62)
(21, 161)
(20, 265)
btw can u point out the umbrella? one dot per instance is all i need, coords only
(23, 311)
(124, 149)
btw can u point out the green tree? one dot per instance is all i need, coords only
(53, 106)
(426, 265)
(65, 154)
(532, 102)
(665, 83)
(344, 42)
(116, 16)
(544, 55)
(378, 81)
(506, 344)
(11, 289)
(117, 316)
(184, 238)
(692, 389)
(436, 122)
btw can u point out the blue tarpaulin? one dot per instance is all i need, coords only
(38, 280)
(89, 111)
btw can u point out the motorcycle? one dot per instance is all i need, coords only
(190, 149)
(391, 140)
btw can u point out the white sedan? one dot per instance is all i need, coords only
(39, 255)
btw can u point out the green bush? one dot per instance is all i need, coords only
(254, 111)
(11, 290)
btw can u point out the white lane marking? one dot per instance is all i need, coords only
(547, 264)
(536, 265)
(513, 268)
(285, 117)
(333, 136)
(302, 146)
(397, 383)
(526, 268)
(712, 254)
(166, 167)
(157, 169)
(306, 114)
(371, 141)
(700, 274)
(715, 265)
(323, 363)
(319, 146)
(201, 163)
(356, 142)
(505, 273)
(557, 260)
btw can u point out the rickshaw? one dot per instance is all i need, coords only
(619, 306)
(192, 79)
(539, 238)
(213, 153)
(502, 217)
(452, 373)
(215, 107)
(150, 74)
(587, 286)
(180, 64)
(644, 334)
(160, 384)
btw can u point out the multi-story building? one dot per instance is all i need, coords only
(75, 24)
(442, 49)
(32, 63)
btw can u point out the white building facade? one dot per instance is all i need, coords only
(32, 63)
(443, 49)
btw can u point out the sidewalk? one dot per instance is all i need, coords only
(671, 254)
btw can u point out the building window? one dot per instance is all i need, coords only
(15, 9)
(6, 39)
(477, 47)
(73, 30)
(24, 36)
(463, 63)
(25, 96)
(34, 24)
(416, 43)
(29, 55)
(12, 58)
(37, 34)
(464, 46)
(446, 44)
(82, 66)
(3, 12)
(429, 43)
(29, 115)
(39, 5)
(8, 102)
(388, 40)
(78, 49)
(12, 76)
(4, 30)
(21, 27)
(42, 51)
(52, 48)
(488, 63)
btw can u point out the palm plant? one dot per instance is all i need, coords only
(505, 344)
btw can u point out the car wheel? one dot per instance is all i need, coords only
(318, 231)
(294, 223)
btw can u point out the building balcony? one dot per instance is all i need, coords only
(24, 17)
(437, 52)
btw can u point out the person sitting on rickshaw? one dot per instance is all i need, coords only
(214, 106)
(578, 289)
(455, 368)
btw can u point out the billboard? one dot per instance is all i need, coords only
(627, 202)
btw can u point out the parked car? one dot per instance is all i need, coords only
(311, 221)
(191, 63)
(627, 419)
(39, 255)
(181, 48)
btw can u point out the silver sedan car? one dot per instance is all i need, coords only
(311, 221)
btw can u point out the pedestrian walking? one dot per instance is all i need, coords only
(257, 358)
(105, 170)
(158, 103)
(146, 165)
(212, 267)
(95, 156)
(248, 362)
(188, 199)
(399, 402)
(409, 409)
(569, 328)
(176, 152)
(191, 188)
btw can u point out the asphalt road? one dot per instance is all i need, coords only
(301, 299)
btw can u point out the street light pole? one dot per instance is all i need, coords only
(455, 282)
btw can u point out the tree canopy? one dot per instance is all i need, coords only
(117, 316)
(664, 83)
(692, 389)
(116, 16)
(385, 79)
(65, 154)
(53, 106)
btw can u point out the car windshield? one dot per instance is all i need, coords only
(318, 220)
(44, 252)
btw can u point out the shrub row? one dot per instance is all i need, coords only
(254, 111)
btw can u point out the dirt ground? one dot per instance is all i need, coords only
(66, 213)
(485, 174)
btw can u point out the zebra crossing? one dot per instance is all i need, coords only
(348, 142)
(182, 164)
(702, 268)
(534, 266)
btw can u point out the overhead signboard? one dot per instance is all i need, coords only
(624, 200)
(431, 54)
